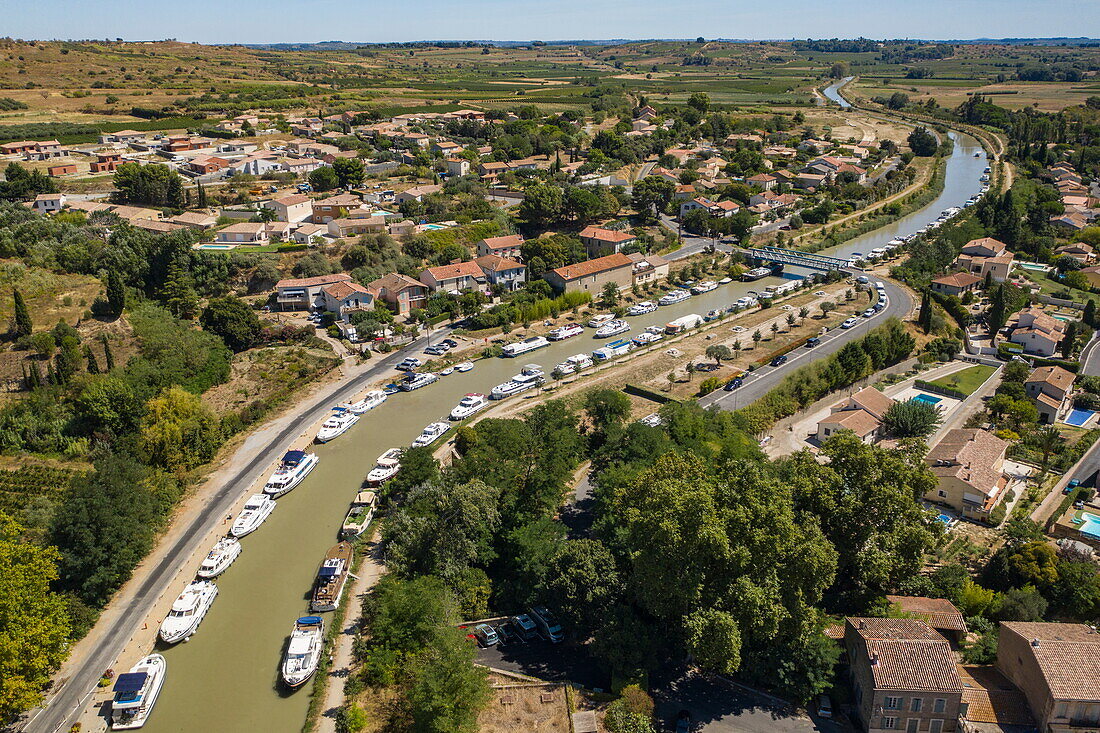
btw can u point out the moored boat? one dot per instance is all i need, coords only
(387, 466)
(673, 297)
(416, 380)
(563, 332)
(359, 515)
(136, 693)
(188, 611)
(613, 349)
(468, 405)
(597, 321)
(303, 653)
(331, 578)
(255, 511)
(338, 423)
(223, 554)
(370, 400)
(704, 287)
(612, 328)
(531, 376)
(464, 366)
(295, 466)
(522, 347)
(430, 434)
(640, 309)
(756, 273)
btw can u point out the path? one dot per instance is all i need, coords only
(370, 571)
(123, 619)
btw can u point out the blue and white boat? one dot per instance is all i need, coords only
(613, 349)
(136, 693)
(295, 466)
(303, 653)
(371, 400)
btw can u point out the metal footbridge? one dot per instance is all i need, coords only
(794, 257)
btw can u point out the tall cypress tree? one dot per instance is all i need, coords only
(200, 196)
(924, 319)
(1089, 316)
(89, 358)
(23, 325)
(116, 292)
(108, 357)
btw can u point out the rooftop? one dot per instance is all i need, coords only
(1067, 654)
(592, 267)
(906, 654)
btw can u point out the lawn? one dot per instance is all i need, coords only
(967, 380)
(1055, 289)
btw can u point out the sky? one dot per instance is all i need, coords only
(281, 21)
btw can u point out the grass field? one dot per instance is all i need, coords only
(967, 380)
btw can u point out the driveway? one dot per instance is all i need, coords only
(546, 661)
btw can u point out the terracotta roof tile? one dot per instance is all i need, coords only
(1067, 654)
(592, 267)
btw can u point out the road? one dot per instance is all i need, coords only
(690, 244)
(764, 379)
(131, 606)
(1090, 357)
(1082, 471)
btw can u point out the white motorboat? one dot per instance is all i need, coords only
(673, 297)
(431, 434)
(256, 510)
(563, 332)
(756, 273)
(612, 328)
(464, 366)
(704, 287)
(188, 611)
(645, 338)
(221, 557)
(522, 347)
(416, 380)
(136, 693)
(371, 400)
(303, 653)
(387, 466)
(531, 376)
(337, 424)
(613, 349)
(597, 321)
(725, 281)
(447, 372)
(574, 364)
(640, 309)
(295, 466)
(468, 405)
(359, 515)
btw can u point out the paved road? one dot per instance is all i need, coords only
(66, 701)
(1090, 357)
(765, 378)
(690, 244)
(1083, 472)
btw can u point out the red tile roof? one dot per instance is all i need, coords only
(454, 270)
(592, 267)
(309, 282)
(606, 235)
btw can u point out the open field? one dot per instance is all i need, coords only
(967, 380)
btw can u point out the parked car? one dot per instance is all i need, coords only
(547, 623)
(684, 722)
(436, 350)
(524, 626)
(812, 341)
(869, 313)
(825, 706)
(1071, 486)
(863, 279)
(486, 635)
(505, 633)
(779, 360)
(849, 323)
(449, 343)
(733, 384)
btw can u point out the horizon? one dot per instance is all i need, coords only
(256, 22)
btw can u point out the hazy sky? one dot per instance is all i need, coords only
(259, 21)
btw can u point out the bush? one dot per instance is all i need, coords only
(709, 384)
(351, 719)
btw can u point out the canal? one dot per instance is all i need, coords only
(225, 678)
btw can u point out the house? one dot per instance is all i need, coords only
(353, 227)
(969, 467)
(446, 148)
(457, 166)
(400, 292)
(809, 181)
(299, 166)
(453, 278)
(49, 203)
(1079, 251)
(592, 275)
(1038, 332)
(133, 213)
(939, 613)
(417, 193)
(243, 233)
(254, 165)
(45, 151)
(278, 230)
(17, 148)
(506, 246)
(684, 192)
(306, 232)
(207, 164)
(1057, 667)
(956, 284)
(696, 204)
(506, 273)
(903, 676)
(599, 241)
(334, 207)
(648, 268)
(157, 226)
(646, 113)
(122, 136)
(1051, 389)
(293, 208)
(305, 293)
(106, 162)
(763, 181)
(345, 296)
(1073, 221)
(986, 255)
(194, 220)
(56, 171)
(862, 413)
(493, 169)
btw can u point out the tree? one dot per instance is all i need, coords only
(90, 360)
(323, 178)
(22, 318)
(349, 171)
(609, 295)
(718, 352)
(1089, 315)
(178, 293)
(606, 407)
(923, 143)
(178, 430)
(1077, 592)
(714, 639)
(154, 184)
(116, 292)
(582, 584)
(1047, 440)
(234, 321)
(924, 318)
(911, 419)
(1021, 604)
(447, 691)
(108, 357)
(34, 621)
(699, 101)
(651, 196)
(542, 204)
(756, 336)
(200, 195)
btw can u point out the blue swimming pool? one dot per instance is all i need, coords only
(1077, 418)
(927, 399)
(1090, 525)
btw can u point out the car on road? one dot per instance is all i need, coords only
(863, 279)
(779, 360)
(869, 313)
(849, 323)
(437, 350)
(547, 624)
(486, 635)
(449, 343)
(733, 384)
(1071, 486)
(524, 626)
(812, 341)
(825, 706)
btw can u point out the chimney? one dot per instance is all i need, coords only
(874, 659)
(1035, 643)
(862, 624)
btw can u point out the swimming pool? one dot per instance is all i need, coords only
(927, 399)
(216, 246)
(1078, 418)
(1090, 525)
(1034, 267)
(433, 227)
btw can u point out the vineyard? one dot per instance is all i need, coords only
(20, 486)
